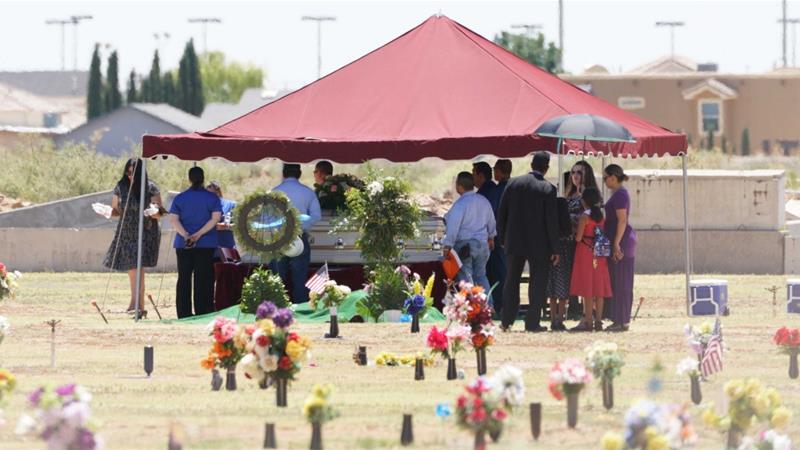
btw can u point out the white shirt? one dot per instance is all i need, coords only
(303, 199)
(471, 217)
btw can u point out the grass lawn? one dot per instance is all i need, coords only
(136, 412)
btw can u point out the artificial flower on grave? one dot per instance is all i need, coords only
(272, 350)
(604, 359)
(420, 297)
(224, 352)
(62, 418)
(688, 367)
(447, 342)
(8, 282)
(787, 339)
(697, 337)
(568, 376)
(332, 192)
(391, 360)
(317, 407)
(331, 297)
(5, 327)
(654, 426)
(480, 410)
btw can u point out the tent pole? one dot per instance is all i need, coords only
(137, 290)
(686, 243)
(603, 171)
(560, 173)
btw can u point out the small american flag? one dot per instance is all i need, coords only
(712, 357)
(317, 281)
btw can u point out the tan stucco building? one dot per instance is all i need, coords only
(686, 97)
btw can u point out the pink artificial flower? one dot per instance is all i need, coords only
(478, 415)
(499, 414)
(437, 339)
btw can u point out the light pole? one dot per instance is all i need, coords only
(161, 37)
(319, 20)
(76, 20)
(794, 23)
(672, 25)
(62, 23)
(205, 21)
(528, 27)
(560, 35)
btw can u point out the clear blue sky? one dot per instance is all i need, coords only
(742, 36)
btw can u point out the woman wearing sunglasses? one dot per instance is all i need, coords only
(581, 176)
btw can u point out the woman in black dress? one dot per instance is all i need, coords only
(123, 252)
(560, 274)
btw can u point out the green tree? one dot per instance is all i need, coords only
(113, 97)
(534, 50)
(94, 95)
(225, 81)
(132, 95)
(168, 89)
(746, 142)
(154, 91)
(190, 85)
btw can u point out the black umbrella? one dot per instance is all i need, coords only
(588, 127)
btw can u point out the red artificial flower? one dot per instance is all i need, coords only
(781, 336)
(285, 363)
(262, 341)
(461, 402)
(478, 415)
(292, 337)
(499, 414)
(794, 337)
(478, 340)
(555, 391)
(250, 329)
(437, 339)
(2, 270)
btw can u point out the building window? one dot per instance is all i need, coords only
(630, 102)
(710, 116)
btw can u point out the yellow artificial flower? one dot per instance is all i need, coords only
(295, 351)
(611, 441)
(429, 286)
(781, 417)
(417, 287)
(657, 443)
(774, 397)
(710, 418)
(760, 405)
(734, 389)
(312, 403)
(752, 387)
(706, 328)
(322, 390)
(266, 326)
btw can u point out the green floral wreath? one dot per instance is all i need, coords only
(268, 245)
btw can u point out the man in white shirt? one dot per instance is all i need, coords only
(305, 201)
(470, 231)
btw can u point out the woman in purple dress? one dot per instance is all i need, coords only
(623, 238)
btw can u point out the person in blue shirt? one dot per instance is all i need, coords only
(470, 231)
(224, 233)
(305, 201)
(195, 214)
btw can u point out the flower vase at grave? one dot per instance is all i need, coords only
(734, 438)
(452, 374)
(230, 379)
(536, 420)
(607, 384)
(334, 330)
(216, 380)
(480, 441)
(793, 372)
(263, 384)
(697, 396)
(480, 355)
(280, 392)
(362, 355)
(414, 323)
(419, 369)
(495, 434)
(572, 392)
(316, 436)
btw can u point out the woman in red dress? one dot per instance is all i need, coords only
(590, 278)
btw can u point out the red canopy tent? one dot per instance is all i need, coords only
(438, 90)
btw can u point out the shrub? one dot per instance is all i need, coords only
(387, 290)
(263, 285)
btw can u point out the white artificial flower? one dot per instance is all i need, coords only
(507, 383)
(250, 366)
(344, 290)
(25, 425)
(76, 414)
(375, 188)
(5, 327)
(687, 367)
(268, 363)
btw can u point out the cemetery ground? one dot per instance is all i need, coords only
(135, 412)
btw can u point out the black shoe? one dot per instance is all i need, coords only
(557, 326)
(582, 327)
(536, 329)
(616, 328)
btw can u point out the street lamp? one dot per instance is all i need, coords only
(205, 21)
(793, 23)
(319, 20)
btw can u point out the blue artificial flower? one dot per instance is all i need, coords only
(414, 305)
(443, 410)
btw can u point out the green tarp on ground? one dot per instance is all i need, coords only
(302, 313)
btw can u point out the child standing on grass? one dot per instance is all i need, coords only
(590, 278)
(558, 283)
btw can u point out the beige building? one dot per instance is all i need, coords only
(683, 96)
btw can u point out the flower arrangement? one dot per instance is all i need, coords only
(787, 339)
(650, 425)
(447, 342)
(317, 408)
(470, 307)
(688, 367)
(8, 282)
(604, 359)
(383, 214)
(263, 285)
(420, 297)
(332, 192)
(224, 352)
(749, 402)
(507, 383)
(271, 350)
(568, 377)
(332, 295)
(698, 337)
(7, 384)
(768, 440)
(5, 327)
(480, 410)
(62, 418)
(392, 360)
(386, 291)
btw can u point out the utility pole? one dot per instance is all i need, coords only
(560, 35)
(319, 20)
(205, 21)
(62, 23)
(528, 27)
(784, 21)
(76, 20)
(794, 23)
(672, 25)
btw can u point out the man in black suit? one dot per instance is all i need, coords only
(528, 229)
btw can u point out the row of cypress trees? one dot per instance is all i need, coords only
(185, 92)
